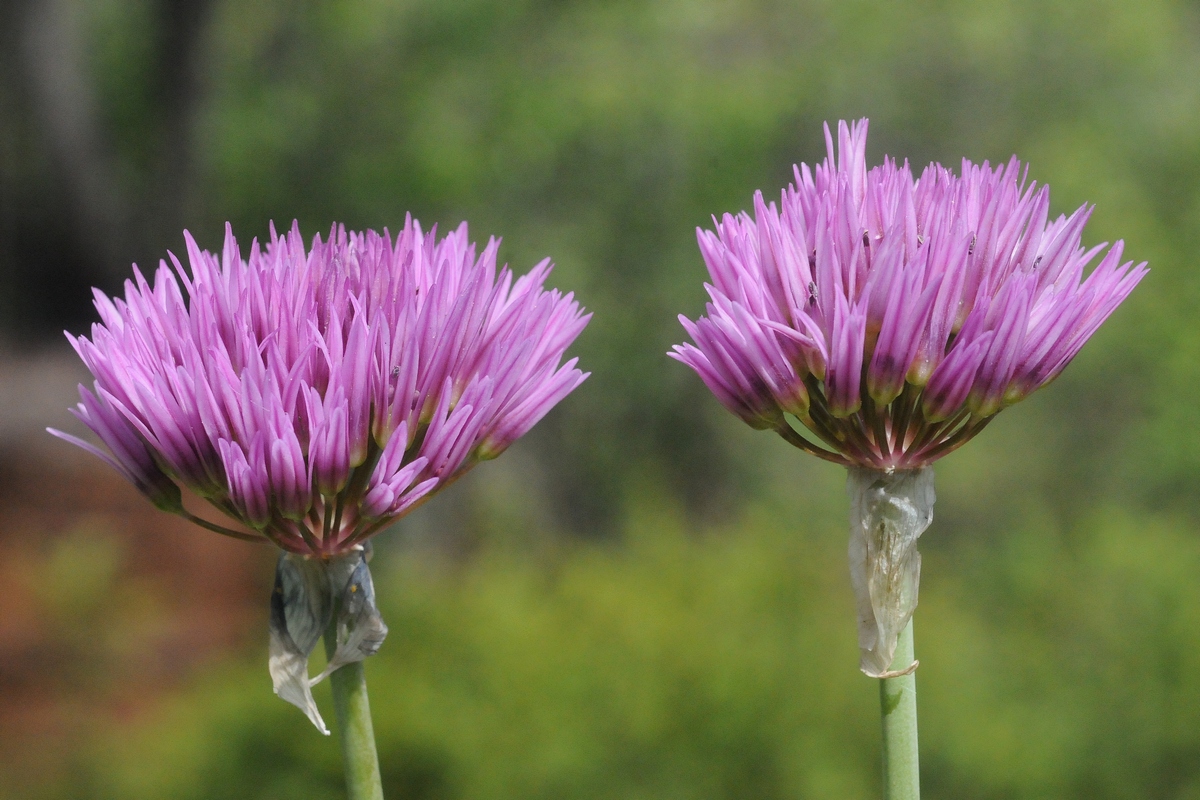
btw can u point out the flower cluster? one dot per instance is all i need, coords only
(895, 316)
(316, 394)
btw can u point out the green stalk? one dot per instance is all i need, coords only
(898, 702)
(354, 729)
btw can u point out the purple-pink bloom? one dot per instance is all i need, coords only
(893, 316)
(314, 395)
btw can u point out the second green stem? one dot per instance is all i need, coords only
(898, 703)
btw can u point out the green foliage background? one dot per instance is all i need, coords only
(647, 599)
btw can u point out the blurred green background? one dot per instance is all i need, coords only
(644, 598)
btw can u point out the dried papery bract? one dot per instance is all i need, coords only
(301, 605)
(315, 394)
(888, 513)
(310, 595)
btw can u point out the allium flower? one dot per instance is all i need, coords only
(892, 316)
(315, 395)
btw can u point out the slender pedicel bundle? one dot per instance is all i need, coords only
(315, 395)
(893, 317)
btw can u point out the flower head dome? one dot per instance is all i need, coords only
(895, 316)
(315, 394)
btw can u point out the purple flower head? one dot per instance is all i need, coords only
(895, 316)
(316, 394)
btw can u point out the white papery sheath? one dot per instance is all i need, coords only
(309, 595)
(888, 513)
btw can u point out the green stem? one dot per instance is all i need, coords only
(353, 712)
(898, 702)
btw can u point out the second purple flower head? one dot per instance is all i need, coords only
(894, 316)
